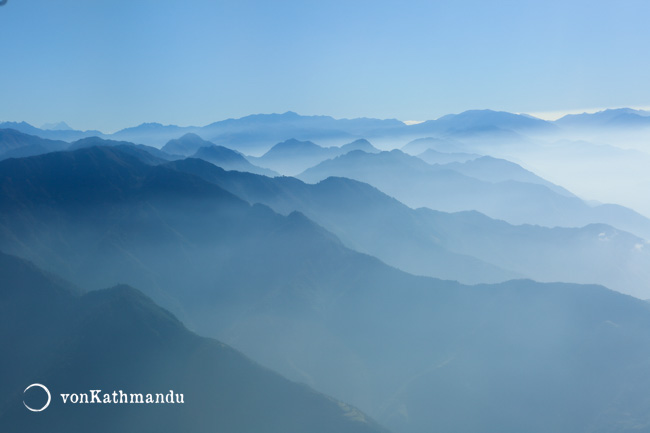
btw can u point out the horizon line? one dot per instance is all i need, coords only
(549, 115)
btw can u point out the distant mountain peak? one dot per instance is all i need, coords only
(486, 120)
(292, 141)
(611, 117)
(191, 136)
(293, 144)
(95, 141)
(360, 144)
(360, 141)
(59, 126)
(186, 145)
(627, 111)
(22, 123)
(148, 127)
(229, 159)
(17, 144)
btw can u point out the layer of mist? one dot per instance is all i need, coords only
(470, 273)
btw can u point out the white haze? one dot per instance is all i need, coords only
(610, 167)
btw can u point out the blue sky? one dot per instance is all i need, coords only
(112, 64)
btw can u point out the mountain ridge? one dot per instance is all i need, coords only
(285, 292)
(118, 338)
(418, 184)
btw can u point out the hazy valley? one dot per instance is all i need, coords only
(451, 275)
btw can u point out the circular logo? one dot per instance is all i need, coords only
(49, 397)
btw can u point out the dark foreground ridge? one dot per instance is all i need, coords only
(118, 339)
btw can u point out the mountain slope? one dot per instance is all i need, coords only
(494, 170)
(611, 118)
(57, 126)
(418, 354)
(186, 145)
(443, 245)
(118, 339)
(230, 160)
(152, 134)
(596, 253)
(431, 156)
(256, 134)
(15, 144)
(364, 218)
(478, 120)
(192, 145)
(360, 144)
(147, 154)
(294, 156)
(448, 146)
(418, 184)
(50, 134)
